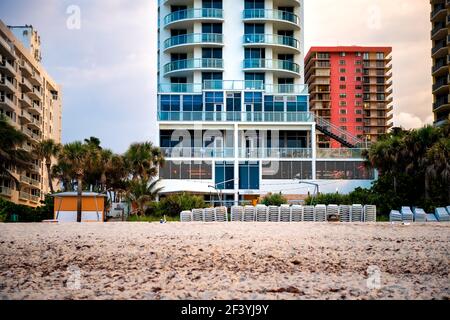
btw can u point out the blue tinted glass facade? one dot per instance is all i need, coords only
(249, 176)
(224, 175)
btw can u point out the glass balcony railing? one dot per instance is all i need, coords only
(268, 14)
(235, 116)
(195, 152)
(276, 153)
(188, 14)
(271, 39)
(338, 153)
(271, 64)
(194, 38)
(209, 63)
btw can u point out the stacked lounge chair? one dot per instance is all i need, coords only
(370, 213)
(209, 215)
(261, 213)
(357, 213)
(221, 214)
(395, 216)
(407, 214)
(285, 213)
(344, 213)
(273, 214)
(442, 215)
(320, 213)
(237, 213)
(186, 216)
(197, 215)
(419, 215)
(332, 211)
(448, 209)
(431, 217)
(249, 214)
(309, 214)
(297, 213)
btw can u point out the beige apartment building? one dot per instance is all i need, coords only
(31, 101)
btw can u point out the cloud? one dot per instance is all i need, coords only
(411, 121)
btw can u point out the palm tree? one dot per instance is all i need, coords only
(144, 160)
(76, 156)
(141, 192)
(104, 165)
(46, 150)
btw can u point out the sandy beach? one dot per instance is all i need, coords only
(224, 261)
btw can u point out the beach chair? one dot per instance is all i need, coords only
(309, 214)
(370, 213)
(249, 214)
(419, 215)
(296, 213)
(197, 215)
(221, 214)
(333, 212)
(344, 213)
(442, 215)
(395, 216)
(356, 213)
(448, 209)
(237, 213)
(320, 213)
(407, 214)
(186, 216)
(209, 215)
(285, 213)
(431, 217)
(261, 213)
(273, 213)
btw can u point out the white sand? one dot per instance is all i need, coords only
(224, 261)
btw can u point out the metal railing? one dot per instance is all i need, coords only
(339, 153)
(197, 13)
(208, 63)
(271, 64)
(194, 38)
(270, 14)
(5, 191)
(195, 152)
(277, 153)
(236, 116)
(272, 39)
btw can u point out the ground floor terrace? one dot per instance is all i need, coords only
(224, 261)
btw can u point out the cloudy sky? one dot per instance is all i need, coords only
(107, 67)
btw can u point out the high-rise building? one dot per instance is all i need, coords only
(352, 88)
(233, 114)
(440, 20)
(31, 101)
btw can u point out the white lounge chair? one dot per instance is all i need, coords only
(431, 217)
(249, 214)
(332, 212)
(395, 216)
(407, 214)
(197, 215)
(296, 213)
(273, 213)
(370, 213)
(285, 213)
(320, 213)
(261, 213)
(356, 214)
(419, 215)
(209, 215)
(442, 215)
(448, 209)
(186, 216)
(344, 213)
(309, 214)
(221, 214)
(237, 213)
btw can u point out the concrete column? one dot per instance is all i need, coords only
(314, 151)
(236, 162)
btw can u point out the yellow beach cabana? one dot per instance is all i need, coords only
(93, 207)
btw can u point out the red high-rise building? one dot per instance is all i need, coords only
(351, 87)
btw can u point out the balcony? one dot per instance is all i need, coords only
(6, 66)
(36, 79)
(440, 49)
(338, 153)
(263, 40)
(25, 101)
(35, 94)
(26, 68)
(36, 109)
(207, 152)
(285, 67)
(439, 11)
(25, 116)
(35, 199)
(6, 85)
(276, 153)
(25, 179)
(439, 30)
(7, 103)
(440, 86)
(4, 191)
(24, 196)
(7, 48)
(36, 123)
(263, 15)
(182, 66)
(180, 18)
(210, 39)
(26, 85)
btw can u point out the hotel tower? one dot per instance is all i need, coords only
(233, 110)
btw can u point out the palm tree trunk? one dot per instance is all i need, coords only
(427, 195)
(79, 198)
(395, 184)
(49, 174)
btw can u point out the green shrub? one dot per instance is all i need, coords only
(172, 205)
(274, 199)
(25, 213)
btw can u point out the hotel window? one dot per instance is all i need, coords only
(186, 170)
(224, 175)
(358, 79)
(344, 128)
(343, 170)
(216, 4)
(358, 87)
(249, 175)
(342, 62)
(359, 128)
(380, 56)
(342, 70)
(343, 95)
(358, 54)
(358, 62)
(358, 111)
(254, 4)
(366, 56)
(342, 78)
(286, 170)
(358, 70)
(343, 87)
(358, 96)
(343, 103)
(359, 120)
(343, 111)
(342, 54)
(343, 120)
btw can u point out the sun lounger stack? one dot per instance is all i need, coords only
(274, 213)
(261, 213)
(419, 215)
(407, 214)
(221, 214)
(237, 213)
(209, 215)
(344, 213)
(370, 213)
(357, 213)
(442, 215)
(332, 211)
(249, 214)
(186, 216)
(320, 213)
(197, 215)
(308, 214)
(296, 213)
(395, 216)
(448, 209)
(431, 217)
(285, 213)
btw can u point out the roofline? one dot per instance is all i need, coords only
(336, 49)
